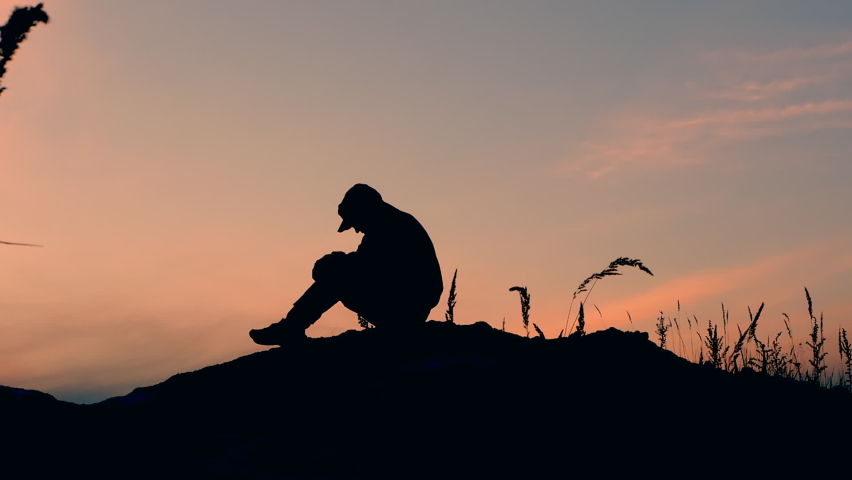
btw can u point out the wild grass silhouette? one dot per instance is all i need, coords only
(767, 356)
(747, 352)
(525, 306)
(581, 323)
(451, 300)
(662, 329)
(817, 344)
(609, 271)
(716, 348)
(846, 357)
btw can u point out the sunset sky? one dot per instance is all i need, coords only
(182, 162)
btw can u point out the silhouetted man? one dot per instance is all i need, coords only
(393, 279)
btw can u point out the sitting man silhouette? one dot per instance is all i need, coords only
(393, 279)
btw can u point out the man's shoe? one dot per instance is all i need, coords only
(280, 333)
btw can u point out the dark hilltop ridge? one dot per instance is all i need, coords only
(447, 401)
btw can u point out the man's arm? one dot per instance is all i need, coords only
(328, 266)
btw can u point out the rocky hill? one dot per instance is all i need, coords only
(447, 401)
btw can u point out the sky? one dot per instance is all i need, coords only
(182, 162)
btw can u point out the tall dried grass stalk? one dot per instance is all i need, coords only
(743, 339)
(581, 323)
(845, 356)
(610, 271)
(716, 349)
(525, 306)
(817, 344)
(451, 300)
(662, 329)
(794, 357)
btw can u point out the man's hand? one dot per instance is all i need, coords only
(328, 266)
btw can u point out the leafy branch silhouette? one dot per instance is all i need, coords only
(11, 35)
(15, 31)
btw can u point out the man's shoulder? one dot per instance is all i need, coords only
(407, 221)
(405, 216)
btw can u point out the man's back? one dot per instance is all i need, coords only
(399, 254)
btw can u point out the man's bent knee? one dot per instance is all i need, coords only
(329, 267)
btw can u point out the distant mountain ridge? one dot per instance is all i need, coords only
(447, 401)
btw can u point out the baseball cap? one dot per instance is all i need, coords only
(359, 196)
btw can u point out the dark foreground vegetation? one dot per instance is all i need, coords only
(724, 349)
(449, 401)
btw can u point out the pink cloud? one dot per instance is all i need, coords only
(651, 139)
(601, 172)
(755, 91)
(666, 143)
(632, 140)
(818, 52)
(765, 114)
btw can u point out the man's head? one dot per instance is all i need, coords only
(359, 207)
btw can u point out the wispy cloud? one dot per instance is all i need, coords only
(601, 172)
(737, 116)
(774, 93)
(754, 91)
(823, 51)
